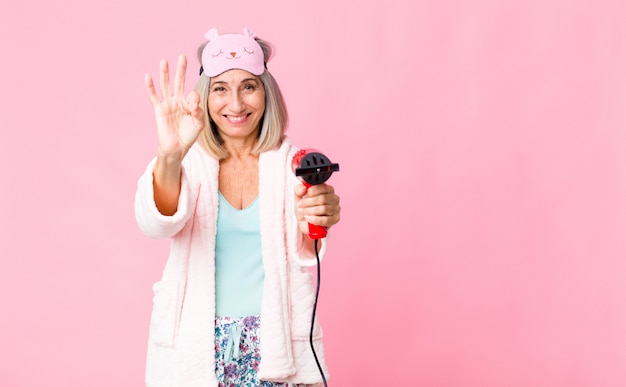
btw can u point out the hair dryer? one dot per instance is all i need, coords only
(313, 168)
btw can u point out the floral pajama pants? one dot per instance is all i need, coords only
(237, 353)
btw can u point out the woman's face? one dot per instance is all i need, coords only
(236, 103)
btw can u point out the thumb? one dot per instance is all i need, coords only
(300, 190)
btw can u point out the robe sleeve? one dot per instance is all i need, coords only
(151, 222)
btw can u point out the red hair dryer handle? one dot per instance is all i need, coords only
(315, 231)
(313, 168)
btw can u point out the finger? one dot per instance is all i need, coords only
(193, 97)
(320, 189)
(299, 214)
(165, 79)
(154, 99)
(181, 71)
(300, 190)
(319, 200)
(196, 111)
(322, 210)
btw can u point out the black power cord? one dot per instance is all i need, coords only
(317, 293)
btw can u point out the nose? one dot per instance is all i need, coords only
(237, 104)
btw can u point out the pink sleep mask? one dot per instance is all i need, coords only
(232, 51)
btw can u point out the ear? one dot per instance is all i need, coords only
(249, 33)
(212, 34)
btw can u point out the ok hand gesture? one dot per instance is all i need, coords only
(179, 120)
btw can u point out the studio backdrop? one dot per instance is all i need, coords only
(482, 148)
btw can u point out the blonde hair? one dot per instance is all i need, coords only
(273, 123)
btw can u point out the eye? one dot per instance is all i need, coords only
(248, 52)
(218, 54)
(219, 89)
(250, 87)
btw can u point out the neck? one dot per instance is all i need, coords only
(240, 149)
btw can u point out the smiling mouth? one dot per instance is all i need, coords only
(237, 119)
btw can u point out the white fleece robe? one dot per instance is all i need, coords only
(181, 348)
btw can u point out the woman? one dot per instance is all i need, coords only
(234, 304)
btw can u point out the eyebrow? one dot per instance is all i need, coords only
(242, 81)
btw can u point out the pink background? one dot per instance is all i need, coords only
(483, 182)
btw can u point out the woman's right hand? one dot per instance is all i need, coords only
(179, 120)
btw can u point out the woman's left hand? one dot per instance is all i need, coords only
(317, 204)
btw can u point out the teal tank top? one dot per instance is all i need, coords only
(239, 273)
